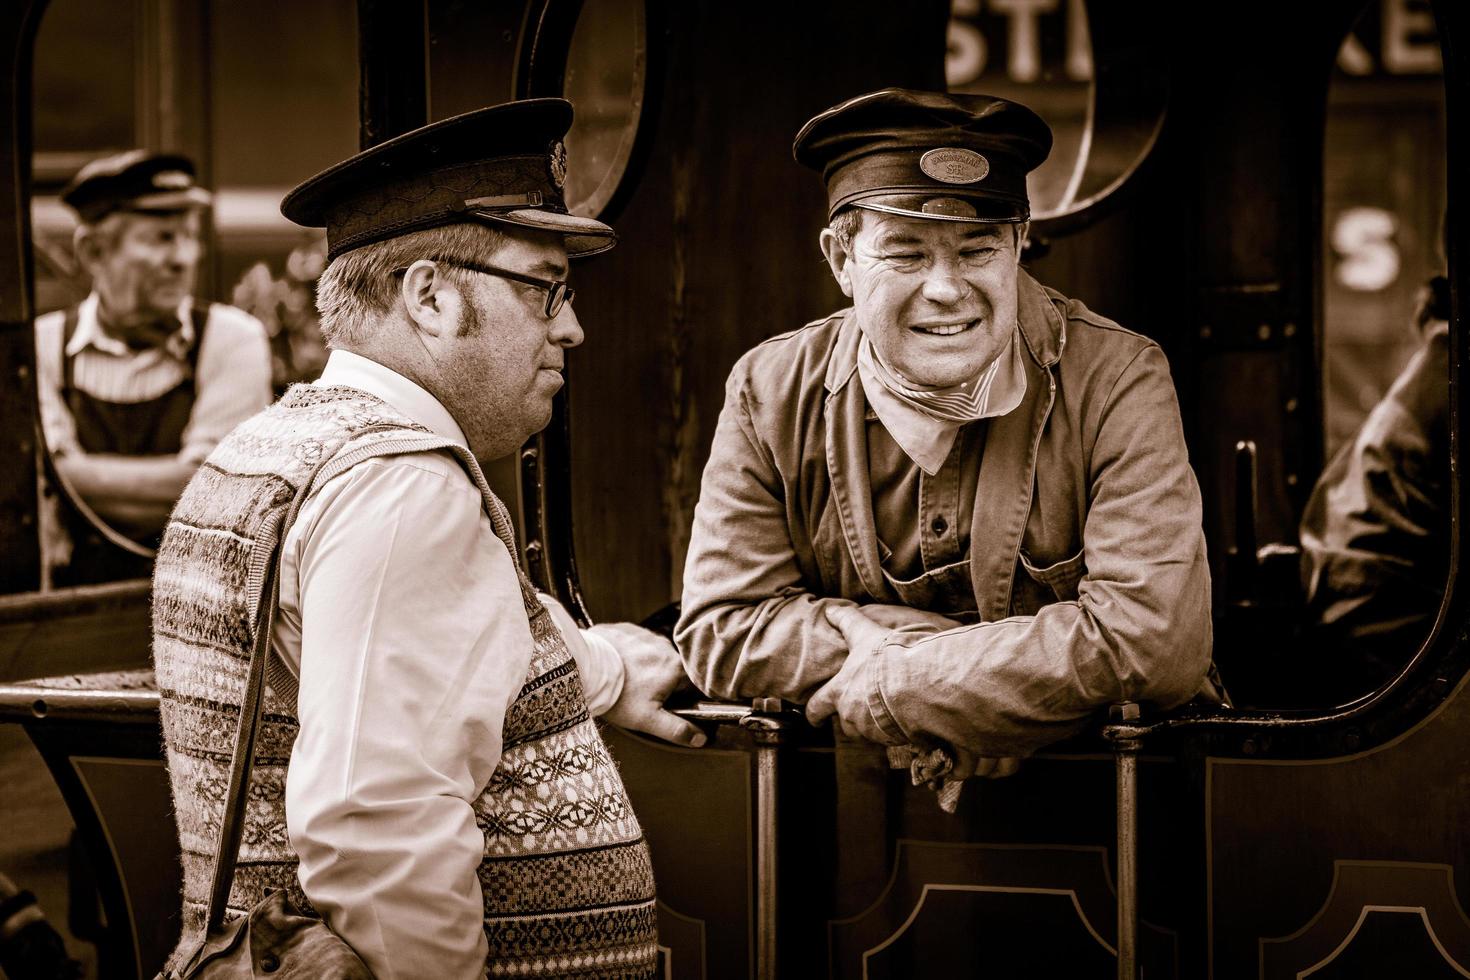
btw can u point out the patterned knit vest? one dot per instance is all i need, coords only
(566, 876)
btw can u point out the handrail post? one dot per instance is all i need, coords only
(769, 729)
(1124, 735)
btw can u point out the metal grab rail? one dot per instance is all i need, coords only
(771, 725)
(1123, 731)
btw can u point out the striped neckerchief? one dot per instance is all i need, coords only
(924, 421)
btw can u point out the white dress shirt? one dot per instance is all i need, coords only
(402, 616)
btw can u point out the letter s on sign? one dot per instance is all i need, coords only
(1367, 256)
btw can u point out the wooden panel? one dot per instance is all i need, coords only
(719, 251)
(1279, 829)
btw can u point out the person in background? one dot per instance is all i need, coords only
(1375, 533)
(139, 381)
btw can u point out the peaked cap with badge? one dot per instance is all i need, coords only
(134, 181)
(505, 164)
(947, 156)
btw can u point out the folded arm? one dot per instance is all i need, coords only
(750, 625)
(1139, 628)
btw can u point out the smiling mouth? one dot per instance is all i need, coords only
(945, 329)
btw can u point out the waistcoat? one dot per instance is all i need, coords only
(566, 874)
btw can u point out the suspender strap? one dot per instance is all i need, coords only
(68, 330)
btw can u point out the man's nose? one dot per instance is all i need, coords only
(566, 329)
(944, 285)
(183, 252)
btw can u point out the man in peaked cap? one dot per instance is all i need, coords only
(139, 381)
(959, 515)
(429, 779)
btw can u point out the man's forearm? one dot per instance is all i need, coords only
(1013, 686)
(102, 478)
(779, 647)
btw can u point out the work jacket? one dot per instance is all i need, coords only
(1087, 557)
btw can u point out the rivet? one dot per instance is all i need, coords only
(1205, 332)
(1291, 404)
(23, 372)
(1289, 330)
(1264, 331)
(1291, 479)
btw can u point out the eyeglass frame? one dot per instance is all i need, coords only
(558, 293)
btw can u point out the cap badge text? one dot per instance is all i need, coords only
(953, 165)
(556, 163)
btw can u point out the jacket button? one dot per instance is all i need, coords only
(939, 525)
(269, 963)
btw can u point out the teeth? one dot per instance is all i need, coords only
(946, 330)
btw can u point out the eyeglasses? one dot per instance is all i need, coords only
(558, 293)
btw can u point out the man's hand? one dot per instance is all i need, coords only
(967, 765)
(652, 671)
(863, 637)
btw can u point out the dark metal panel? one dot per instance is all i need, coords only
(393, 96)
(20, 569)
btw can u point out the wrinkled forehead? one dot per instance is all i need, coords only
(143, 223)
(540, 253)
(881, 230)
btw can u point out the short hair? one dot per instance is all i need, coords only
(845, 224)
(358, 287)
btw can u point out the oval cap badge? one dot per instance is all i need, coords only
(953, 165)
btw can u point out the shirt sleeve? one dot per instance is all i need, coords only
(750, 625)
(597, 657)
(234, 380)
(57, 425)
(414, 641)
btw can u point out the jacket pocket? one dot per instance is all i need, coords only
(1059, 578)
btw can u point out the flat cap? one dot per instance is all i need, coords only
(951, 157)
(134, 181)
(505, 164)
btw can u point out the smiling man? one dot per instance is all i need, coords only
(959, 514)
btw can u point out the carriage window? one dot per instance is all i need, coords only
(1375, 532)
(138, 373)
(604, 81)
(1041, 54)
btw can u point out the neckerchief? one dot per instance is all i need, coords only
(924, 421)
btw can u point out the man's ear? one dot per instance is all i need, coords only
(838, 258)
(87, 245)
(429, 299)
(1023, 230)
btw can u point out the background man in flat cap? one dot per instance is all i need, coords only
(429, 777)
(958, 514)
(139, 382)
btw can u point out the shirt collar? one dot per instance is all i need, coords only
(348, 370)
(923, 438)
(89, 332)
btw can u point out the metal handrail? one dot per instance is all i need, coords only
(76, 601)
